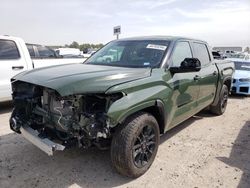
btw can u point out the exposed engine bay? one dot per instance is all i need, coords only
(73, 120)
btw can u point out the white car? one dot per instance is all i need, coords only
(15, 57)
(68, 51)
(242, 57)
(88, 54)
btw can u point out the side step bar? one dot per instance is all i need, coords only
(45, 144)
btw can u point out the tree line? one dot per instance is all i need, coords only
(83, 47)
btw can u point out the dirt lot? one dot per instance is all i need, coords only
(205, 151)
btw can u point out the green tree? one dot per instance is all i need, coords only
(84, 47)
(74, 44)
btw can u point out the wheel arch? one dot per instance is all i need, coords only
(226, 81)
(157, 110)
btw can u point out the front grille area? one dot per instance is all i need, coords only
(244, 80)
(234, 89)
(244, 89)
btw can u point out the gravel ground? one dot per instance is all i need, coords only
(204, 151)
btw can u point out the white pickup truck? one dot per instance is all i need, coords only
(16, 57)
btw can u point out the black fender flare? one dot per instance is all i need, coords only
(163, 115)
(227, 79)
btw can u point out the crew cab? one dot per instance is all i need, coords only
(150, 86)
(16, 57)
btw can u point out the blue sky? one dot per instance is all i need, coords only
(220, 22)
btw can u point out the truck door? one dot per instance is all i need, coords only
(11, 64)
(185, 87)
(45, 57)
(208, 75)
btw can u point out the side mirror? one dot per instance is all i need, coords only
(187, 65)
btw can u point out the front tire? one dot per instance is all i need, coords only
(135, 144)
(220, 107)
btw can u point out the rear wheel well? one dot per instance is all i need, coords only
(228, 83)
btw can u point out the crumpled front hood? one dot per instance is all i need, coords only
(81, 78)
(241, 74)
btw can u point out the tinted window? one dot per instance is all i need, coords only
(8, 50)
(182, 50)
(242, 66)
(216, 55)
(201, 53)
(45, 52)
(31, 50)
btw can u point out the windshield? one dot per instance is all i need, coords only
(242, 66)
(146, 53)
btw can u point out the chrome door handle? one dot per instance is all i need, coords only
(17, 67)
(197, 77)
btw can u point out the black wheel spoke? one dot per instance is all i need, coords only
(151, 137)
(147, 156)
(137, 152)
(142, 157)
(142, 136)
(144, 146)
(137, 158)
(149, 151)
(143, 161)
(139, 138)
(137, 146)
(146, 131)
(150, 143)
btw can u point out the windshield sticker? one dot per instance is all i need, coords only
(157, 47)
(146, 64)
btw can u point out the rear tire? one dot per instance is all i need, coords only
(220, 107)
(135, 144)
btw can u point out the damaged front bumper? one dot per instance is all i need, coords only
(76, 120)
(44, 144)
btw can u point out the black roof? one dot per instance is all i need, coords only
(169, 38)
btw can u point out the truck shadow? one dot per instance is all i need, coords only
(172, 132)
(239, 156)
(5, 107)
(24, 165)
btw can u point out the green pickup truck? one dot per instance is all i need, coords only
(150, 85)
